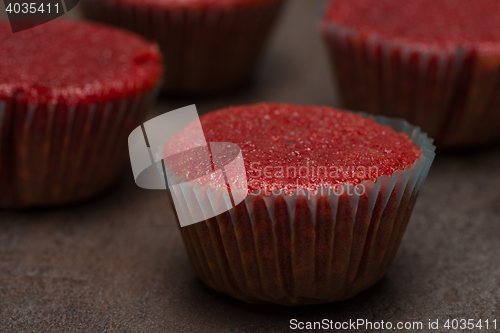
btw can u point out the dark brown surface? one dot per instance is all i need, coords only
(117, 263)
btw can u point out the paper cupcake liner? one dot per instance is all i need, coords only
(453, 94)
(307, 248)
(205, 50)
(59, 154)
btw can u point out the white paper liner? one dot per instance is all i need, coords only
(275, 249)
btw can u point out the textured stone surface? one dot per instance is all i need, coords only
(117, 263)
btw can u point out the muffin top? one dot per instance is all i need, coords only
(291, 147)
(194, 4)
(63, 61)
(441, 24)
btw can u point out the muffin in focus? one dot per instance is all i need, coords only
(208, 46)
(433, 63)
(70, 93)
(331, 193)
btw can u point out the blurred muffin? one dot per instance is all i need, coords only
(434, 63)
(208, 45)
(70, 93)
(331, 194)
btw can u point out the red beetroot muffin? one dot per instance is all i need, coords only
(434, 63)
(70, 93)
(331, 194)
(208, 45)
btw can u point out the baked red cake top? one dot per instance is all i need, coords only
(63, 61)
(290, 147)
(226, 4)
(433, 23)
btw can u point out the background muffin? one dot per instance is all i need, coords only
(434, 63)
(70, 93)
(208, 46)
(331, 194)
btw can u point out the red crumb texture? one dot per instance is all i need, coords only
(433, 23)
(68, 62)
(289, 147)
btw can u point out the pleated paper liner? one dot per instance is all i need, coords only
(306, 248)
(205, 50)
(452, 94)
(60, 154)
